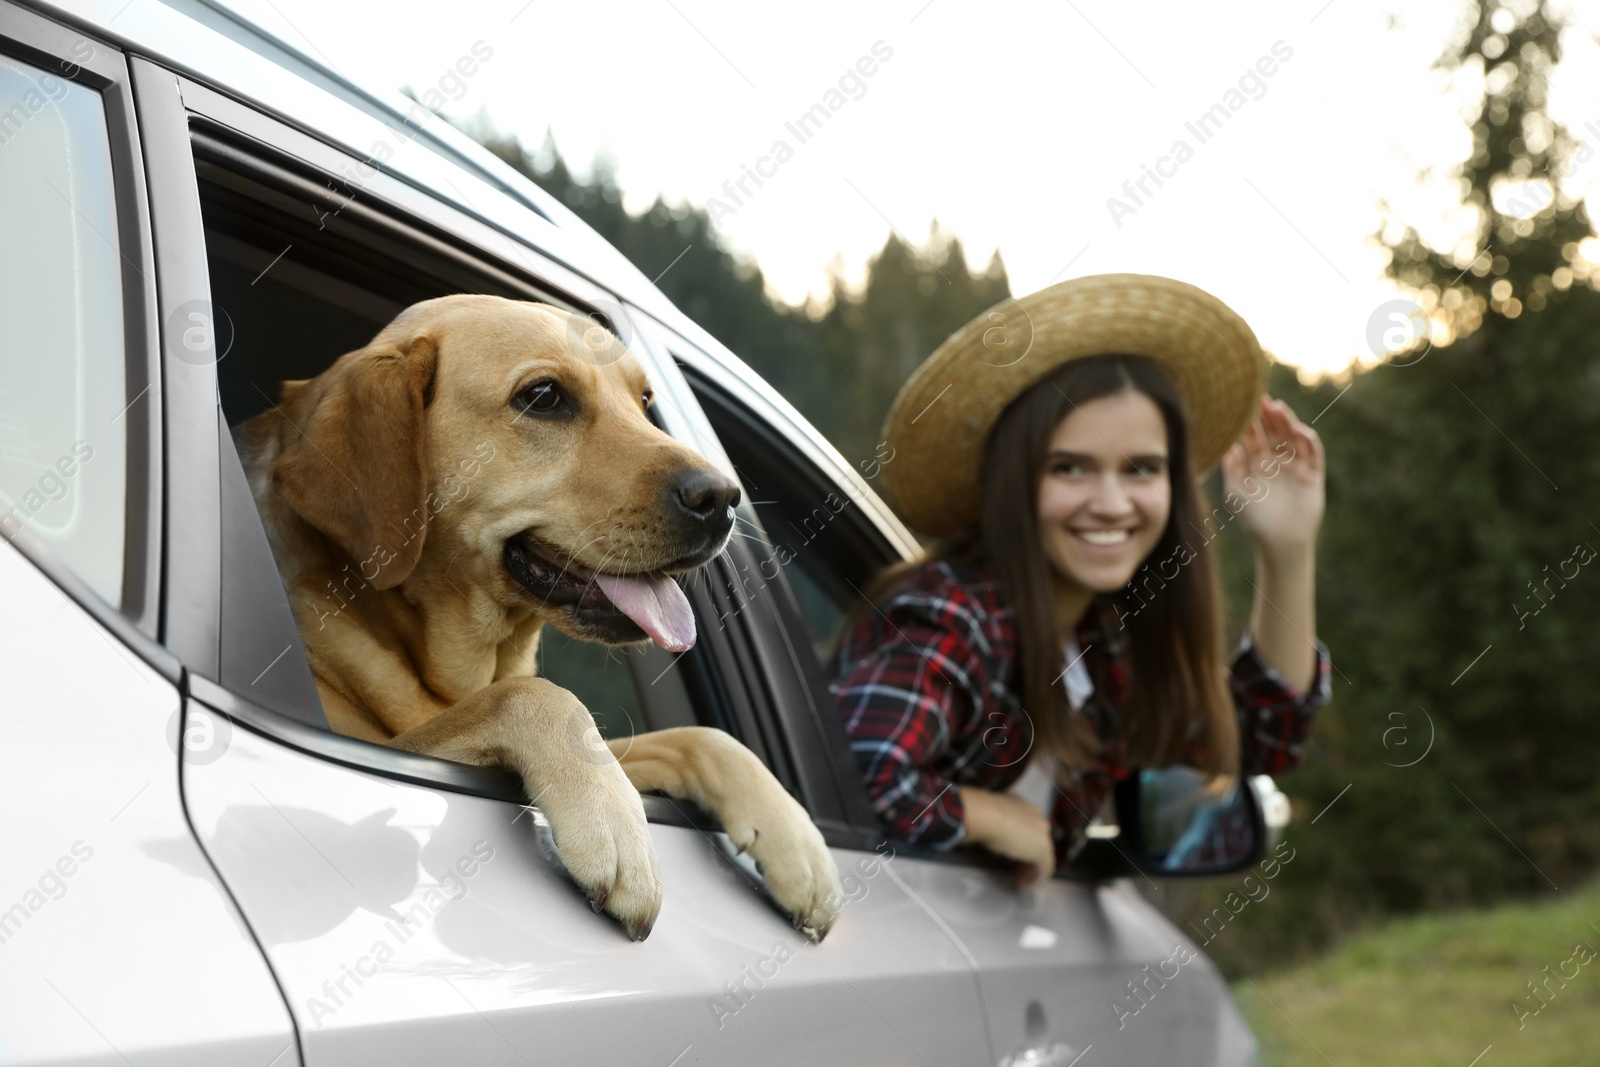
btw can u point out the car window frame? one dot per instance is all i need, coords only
(89, 61)
(407, 210)
(806, 708)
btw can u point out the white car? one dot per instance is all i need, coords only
(196, 871)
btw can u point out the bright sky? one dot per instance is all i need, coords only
(1010, 123)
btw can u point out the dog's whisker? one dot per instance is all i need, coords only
(570, 557)
(750, 531)
(597, 522)
(590, 583)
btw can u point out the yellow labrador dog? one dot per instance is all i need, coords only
(484, 467)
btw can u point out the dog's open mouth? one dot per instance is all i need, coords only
(617, 607)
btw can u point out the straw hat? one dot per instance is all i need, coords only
(941, 419)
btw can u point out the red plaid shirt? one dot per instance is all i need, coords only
(927, 686)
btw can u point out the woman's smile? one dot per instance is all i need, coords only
(1106, 540)
(1105, 494)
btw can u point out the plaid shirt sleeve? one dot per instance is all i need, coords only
(1274, 717)
(910, 684)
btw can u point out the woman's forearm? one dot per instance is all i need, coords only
(1283, 622)
(1011, 826)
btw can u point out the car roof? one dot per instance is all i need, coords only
(224, 49)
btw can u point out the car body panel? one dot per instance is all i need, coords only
(1056, 961)
(415, 925)
(127, 945)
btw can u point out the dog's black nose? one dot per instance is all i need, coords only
(705, 494)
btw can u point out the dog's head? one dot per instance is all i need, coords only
(499, 451)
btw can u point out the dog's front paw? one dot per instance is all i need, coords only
(602, 839)
(789, 851)
(765, 822)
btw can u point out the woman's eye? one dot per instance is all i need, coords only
(540, 398)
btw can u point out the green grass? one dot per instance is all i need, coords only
(1439, 990)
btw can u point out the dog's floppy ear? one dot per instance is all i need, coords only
(357, 467)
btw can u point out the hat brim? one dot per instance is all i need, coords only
(941, 418)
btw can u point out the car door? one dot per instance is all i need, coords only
(404, 902)
(1064, 967)
(118, 942)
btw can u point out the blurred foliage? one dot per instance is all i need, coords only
(1461, 479)
(1462, 499)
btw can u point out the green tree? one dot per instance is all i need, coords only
(1462, 499)
(912, 300)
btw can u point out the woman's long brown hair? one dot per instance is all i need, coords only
(1179, 709)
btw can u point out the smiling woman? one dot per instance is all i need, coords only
(1052, 477)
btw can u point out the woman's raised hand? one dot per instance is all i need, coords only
(1277, 467)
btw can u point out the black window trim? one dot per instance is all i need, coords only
(808, 710)
(58, 49)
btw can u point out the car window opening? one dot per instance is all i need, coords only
(294, 288)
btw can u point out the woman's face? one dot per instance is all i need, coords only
(1105, 493)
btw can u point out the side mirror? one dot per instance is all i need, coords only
(1175, 822)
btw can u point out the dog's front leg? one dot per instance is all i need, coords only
(540, 730)
(725, 778)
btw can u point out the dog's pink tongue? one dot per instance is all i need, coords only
(656, 604)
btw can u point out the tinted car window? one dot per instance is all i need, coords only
(63, 445)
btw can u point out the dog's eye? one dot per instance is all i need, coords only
(649, 397)
(540, 398)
